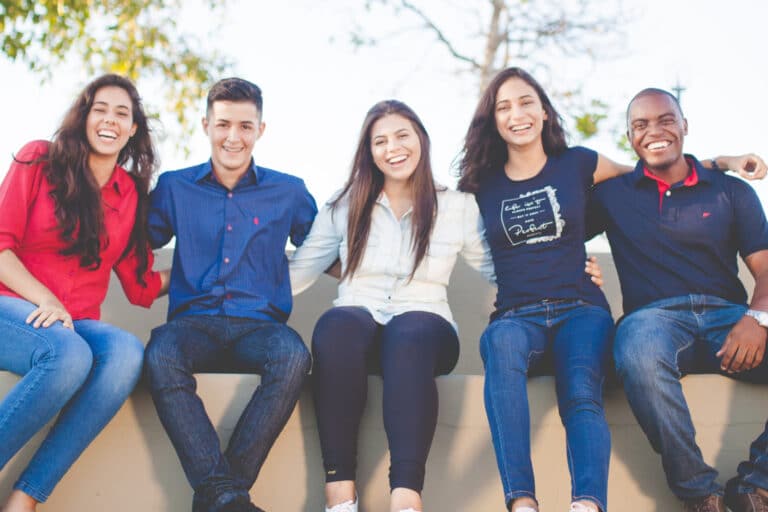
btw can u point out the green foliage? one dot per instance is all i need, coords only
(135, 38)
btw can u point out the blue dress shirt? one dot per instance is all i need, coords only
(230, 257)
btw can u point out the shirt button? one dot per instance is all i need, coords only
(668, 193)
(229, 195)
(229, 227)
(226, 260)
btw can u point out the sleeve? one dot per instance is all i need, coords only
(596, 215)
(159, 218)
(305, 210)
(749, 219)
(17, 192)
(319, 250)
(475, 250)
(137, 294)
(588, 165)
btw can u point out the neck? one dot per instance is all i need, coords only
(102, 168)
(523, 163)
(400, 196)
(672, 173)
(229, 179)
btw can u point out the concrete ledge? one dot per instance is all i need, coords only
(131, 466)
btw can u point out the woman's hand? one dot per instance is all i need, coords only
(593, 269)
(48, 312)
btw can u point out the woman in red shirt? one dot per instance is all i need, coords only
(69, 214)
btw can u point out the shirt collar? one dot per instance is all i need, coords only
(698, 173)
(120, 181)
(252, 176)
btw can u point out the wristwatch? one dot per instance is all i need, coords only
(760, 316)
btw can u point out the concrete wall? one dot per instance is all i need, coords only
(131, 466)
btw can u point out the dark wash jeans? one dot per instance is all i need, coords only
(655, 346)
(205, 343)
(577, 337)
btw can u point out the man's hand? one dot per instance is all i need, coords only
(594, 271)
(749, 166)
(744, 347)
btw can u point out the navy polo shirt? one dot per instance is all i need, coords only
(682, 241)
(230, 257)
(535, 229)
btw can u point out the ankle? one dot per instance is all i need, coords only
(584, 506)
(340, 492)
(524, 504)
(762, 492)
(403, 499)
(20, 501)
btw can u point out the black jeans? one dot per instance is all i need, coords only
(408, 352)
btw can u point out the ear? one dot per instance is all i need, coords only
(685, 126)
(205, 123)
(133, 130)
(260, 130)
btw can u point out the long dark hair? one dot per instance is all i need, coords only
(484, 150)
(75, 191)
(366, 182)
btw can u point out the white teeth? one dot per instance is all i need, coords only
(397, 159)
(657, 145)
(520, 127)
(107, 134)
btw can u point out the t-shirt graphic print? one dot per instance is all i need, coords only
(532, 217)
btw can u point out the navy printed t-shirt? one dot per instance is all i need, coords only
(536, 231)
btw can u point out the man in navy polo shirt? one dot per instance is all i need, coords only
(675, 230)
(230, 296)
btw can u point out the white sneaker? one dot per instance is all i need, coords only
(526, 509)
(409, 510)
(347, 506)
(580, 507)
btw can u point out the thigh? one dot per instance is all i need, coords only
(22, 346)
(717, 321)
(259, 345)
(513, 343)
(420, 338)
(187, 343)
(654, 336)
(346, 333)
(111, 343)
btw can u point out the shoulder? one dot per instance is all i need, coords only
(32, 151)
(453, 198)
(581, 156)
(268, 175)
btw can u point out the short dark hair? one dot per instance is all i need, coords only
(234, 89)
(651, 91)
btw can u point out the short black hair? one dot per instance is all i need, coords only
(235, 89)
(650, 91)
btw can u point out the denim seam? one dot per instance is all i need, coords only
(513, 495)
(31, 490)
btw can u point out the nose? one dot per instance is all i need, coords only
(232, 133)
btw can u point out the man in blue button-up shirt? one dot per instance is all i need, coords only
(229, 298)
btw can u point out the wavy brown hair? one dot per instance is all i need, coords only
(484, 150)
(366, 182)
(75, 191)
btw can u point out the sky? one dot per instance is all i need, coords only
(317, 87)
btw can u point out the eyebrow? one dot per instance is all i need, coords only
(519, 98)
(104, 103)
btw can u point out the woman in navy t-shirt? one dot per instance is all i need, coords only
(532, 191)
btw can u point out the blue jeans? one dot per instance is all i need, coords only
(85, 374)
(576, 336)
(205, 343)
(655, 346)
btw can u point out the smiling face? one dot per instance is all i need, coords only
(656, 130)
(109, 123)
(519, 114)
(233, 127)
(395, 148)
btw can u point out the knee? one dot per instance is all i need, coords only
(637, 349)
(580, 391)
(68, 357)
(162, 354)
(125, 357)
(336, 332)
(498, 344)
(289, 353)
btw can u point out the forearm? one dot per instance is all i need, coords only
(760, 295)
(15, 276)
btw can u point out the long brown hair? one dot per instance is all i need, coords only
(484, 150)
(366, 182)
(75, 191)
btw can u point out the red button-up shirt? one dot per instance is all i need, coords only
(29, 228)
